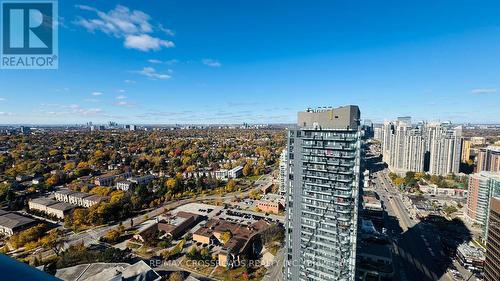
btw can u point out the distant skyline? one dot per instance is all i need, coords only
(231, 62)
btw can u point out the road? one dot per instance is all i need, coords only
(417, 251)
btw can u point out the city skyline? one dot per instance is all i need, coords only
(197, 63)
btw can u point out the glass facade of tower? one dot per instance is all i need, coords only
(322, 199)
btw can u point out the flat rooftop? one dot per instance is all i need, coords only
(13, 220)
(43, 201)
(62, 206)
(65, 191)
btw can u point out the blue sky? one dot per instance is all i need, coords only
(149, 62)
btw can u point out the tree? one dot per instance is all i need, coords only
(32, 234)
(171, 183)
(176, 276)
(225, 236)
(111, 236)
(419, 175)
(231, 184)
(53, 180)
(399, 181)
(80, 217)
(54, 241)
(247, 170)
(69, 166)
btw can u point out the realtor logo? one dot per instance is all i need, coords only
(29, 35)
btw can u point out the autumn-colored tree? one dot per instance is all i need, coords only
(247, 170)
(419, 175)
(83, 165)
(171, 183)
(230, 186)
(69, 166)
(225, 236)
(53, 180)
(176, 276)
(31, 234)
(101, 190)
(111, 236)
(80, 217)
(116, 196)
(399, 181)
(54, 241)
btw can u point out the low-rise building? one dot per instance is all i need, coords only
(222, 174)
(146, 230)
(60, 210)
(373, 209)
(235, 172)
(172, 226)
(108, 179)
(81, 199)
(109, 272)
(268, 206)
(374, 261)
(91, 200)
(124, 185)
(40, 204)
(177, 225)
(12, 223)
(471, 257)
(62, 195)
(452, 192)
(77, 198)
(237, 240)
(142, 180)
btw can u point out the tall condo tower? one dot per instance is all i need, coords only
(323, 168)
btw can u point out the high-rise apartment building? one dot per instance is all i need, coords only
(482, 187)
(492, 261)
(324, 153)
(282, 171)
(445, 146)
(377, 133)
(466, 145)
(405, 146)
(488, 159)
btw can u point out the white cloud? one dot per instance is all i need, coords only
(96, 94)
(211, 62)
(483, 91)
(120, 91)
(129, 81)
(169, 62)
(145, 42)
(121, 97)
(151, 73)
(77, 109)
(167, 31)
(124, 104)
(121, 22)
